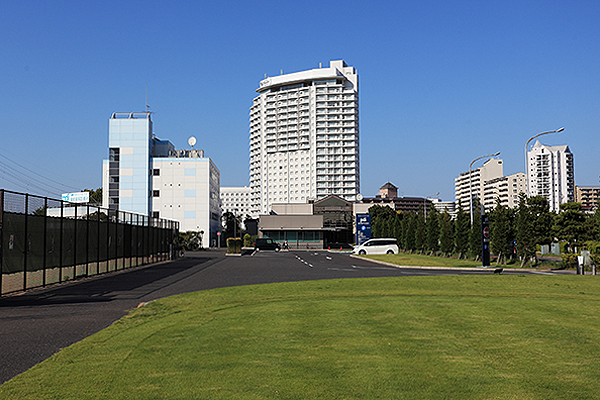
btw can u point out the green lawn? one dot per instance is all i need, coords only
(449, 337)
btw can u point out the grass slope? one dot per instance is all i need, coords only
(407, 259)
(450, 337)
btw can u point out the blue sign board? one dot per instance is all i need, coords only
(363, 228)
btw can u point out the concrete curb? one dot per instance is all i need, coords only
(482, 268)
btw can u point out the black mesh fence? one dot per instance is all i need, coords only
(44, 241)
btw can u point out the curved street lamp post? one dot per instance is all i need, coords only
(471, 182)
(527, 149)
(425, 203)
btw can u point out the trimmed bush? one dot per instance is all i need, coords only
(234, 245)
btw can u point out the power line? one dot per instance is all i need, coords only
(28, 180)
(22, 175)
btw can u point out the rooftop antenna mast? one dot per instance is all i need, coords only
(147, 106)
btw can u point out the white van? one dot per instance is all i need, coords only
(377, 246)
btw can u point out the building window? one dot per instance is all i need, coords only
(156, 193)
(114, 154)
(155, 214)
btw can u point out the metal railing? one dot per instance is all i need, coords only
(45, 241)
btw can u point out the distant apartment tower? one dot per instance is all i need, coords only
(304, 137)
(588, 196)
(472, 184)
(149, 176)
(236, 200)
(550, 174)
(506, 189)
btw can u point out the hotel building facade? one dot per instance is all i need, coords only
(304, 137)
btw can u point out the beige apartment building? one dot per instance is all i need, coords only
(507, 189)
(472, 184)
(588, 196)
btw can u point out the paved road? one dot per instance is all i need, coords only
(37, 324)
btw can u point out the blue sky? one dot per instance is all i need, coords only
(441, 82)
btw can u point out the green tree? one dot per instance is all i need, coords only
(379, 220)
(231, 225)
(95, 196)
(410, 234)
(191, 240)
(501, 231)
(420, 232)
(433, 230)
(475, 233)
(543, 219)
(594, 222)
(403, 241)
(525, 231)
(461, 232)
(446, 233)
(569, 225)
(397, 231)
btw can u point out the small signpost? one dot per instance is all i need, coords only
(485, 240)
(363, 228)
(78, 197)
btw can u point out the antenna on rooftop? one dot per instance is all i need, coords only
(147, 106)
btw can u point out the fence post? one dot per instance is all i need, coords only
(1, 238)
(25, 242)
(60, 251)
(45, 240)
(75, 242)
(98, 242)
(87, 240)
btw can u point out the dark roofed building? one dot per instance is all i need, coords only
(388, 193)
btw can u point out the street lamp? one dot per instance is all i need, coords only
(471, 183)
(234, 221)
(527, 149)
(424, 201)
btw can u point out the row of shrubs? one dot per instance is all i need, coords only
(234, 245)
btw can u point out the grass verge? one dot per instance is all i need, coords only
(449, 337)
(420, 260)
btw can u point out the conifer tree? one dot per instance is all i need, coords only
(410, 234)
(525, 231)
(461, 232)
(446, 233)
(501, 231)
(569, 225)
(403, 241)
(420, 232)
(398, 227)
(543, 219)
(433, 230)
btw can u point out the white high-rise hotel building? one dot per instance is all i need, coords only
(304, 137)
